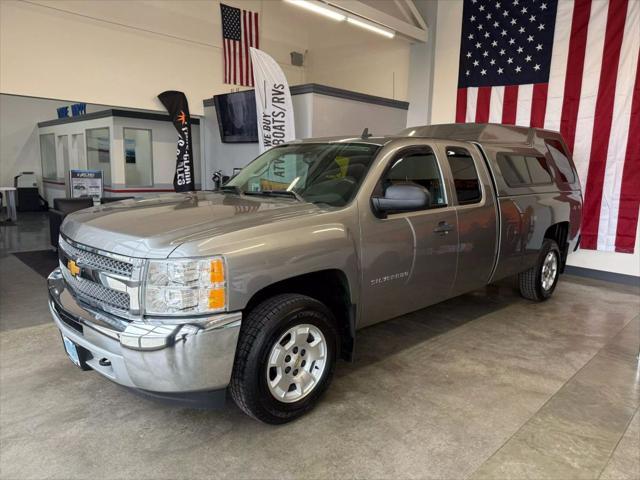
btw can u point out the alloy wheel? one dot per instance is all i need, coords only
(296, 363)
(549, 270)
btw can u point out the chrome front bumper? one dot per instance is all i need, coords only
(172, 358)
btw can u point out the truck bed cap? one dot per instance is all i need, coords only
(377, 140)
(474, 132)
(484, 133)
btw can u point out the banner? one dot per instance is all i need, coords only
(273, 102)
(178, 108)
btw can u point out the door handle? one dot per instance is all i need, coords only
(443, 228)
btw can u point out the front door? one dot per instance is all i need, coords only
(409, 258)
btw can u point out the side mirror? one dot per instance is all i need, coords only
(402, 198)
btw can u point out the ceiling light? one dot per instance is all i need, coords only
(372, 27)
(317, 7)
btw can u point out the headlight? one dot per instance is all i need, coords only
(185, 286)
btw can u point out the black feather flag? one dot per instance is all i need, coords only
(178, 108)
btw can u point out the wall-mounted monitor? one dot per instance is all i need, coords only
(236, 114)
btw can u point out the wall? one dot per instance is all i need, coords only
(124, 53)
(19, 141)
(445, 75)
(340, 116)
(628, 264)
(443, 104)
(221, 156)
(421, 72)
(341, 55)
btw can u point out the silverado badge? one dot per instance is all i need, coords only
(73, 268)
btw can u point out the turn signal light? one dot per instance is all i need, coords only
(216, 271)
(216, 298)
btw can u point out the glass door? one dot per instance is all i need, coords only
(138, 157)
(99, 152)
(79, 159)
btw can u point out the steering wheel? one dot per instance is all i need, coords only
(340, 187)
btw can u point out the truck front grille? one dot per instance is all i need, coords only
(96, 292)
(96, 261)
(104, 280)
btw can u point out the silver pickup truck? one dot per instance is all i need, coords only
(258, 289)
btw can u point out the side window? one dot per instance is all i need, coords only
(421, 168)
(465, 176)
(514, 169)
(539, 170)
(561, 160)
(521, 170)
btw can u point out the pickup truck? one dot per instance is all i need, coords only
(256, 290)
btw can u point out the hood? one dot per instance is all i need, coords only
(154, 226)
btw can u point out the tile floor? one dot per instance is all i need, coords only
(485, 386)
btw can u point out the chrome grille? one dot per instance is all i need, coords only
(96, 261)
(105, 280)
(96, 292)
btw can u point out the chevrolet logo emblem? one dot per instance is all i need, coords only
(73, 268)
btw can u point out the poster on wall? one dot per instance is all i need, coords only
(86, 183)
(129, 150)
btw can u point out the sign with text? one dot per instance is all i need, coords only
(176, 104)
(77, 109)
(86, 183)
(273, 102)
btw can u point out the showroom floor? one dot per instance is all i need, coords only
(487, 385)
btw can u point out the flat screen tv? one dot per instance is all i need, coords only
(236, 114)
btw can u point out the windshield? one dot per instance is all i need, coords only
(316, 172)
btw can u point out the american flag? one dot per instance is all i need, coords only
(239, 32)
(569, 66)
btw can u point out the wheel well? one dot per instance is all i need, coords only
(330, 287)
(559, 232)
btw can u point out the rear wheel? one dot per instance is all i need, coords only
(539, 282)
(285, 358)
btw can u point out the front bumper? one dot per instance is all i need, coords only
(161, 359)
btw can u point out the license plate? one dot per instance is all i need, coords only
(72, 351)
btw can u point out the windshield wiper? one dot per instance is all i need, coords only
(231, 189)
(277, 193)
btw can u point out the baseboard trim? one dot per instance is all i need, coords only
(602, 275)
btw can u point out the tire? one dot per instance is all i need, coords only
(531, 282)
(253, 384)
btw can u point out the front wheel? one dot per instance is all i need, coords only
(539, 282)
(285, 358)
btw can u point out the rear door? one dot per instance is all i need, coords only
(475, 204)
(409, 258)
